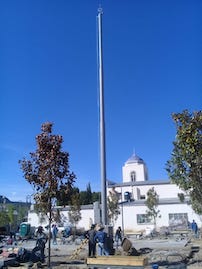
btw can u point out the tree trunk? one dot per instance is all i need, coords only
(49, 234)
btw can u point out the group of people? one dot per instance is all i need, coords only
(100, 241)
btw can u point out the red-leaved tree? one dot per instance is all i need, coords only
(47, 171)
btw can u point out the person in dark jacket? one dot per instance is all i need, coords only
(54, 232)
(101, 239)
(118, 236)
(41, 242)
(90, 235)
(194, 228)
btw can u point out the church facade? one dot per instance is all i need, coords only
(132, 193)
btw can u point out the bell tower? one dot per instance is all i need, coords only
(134, 170)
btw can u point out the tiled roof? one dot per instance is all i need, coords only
(134, 159)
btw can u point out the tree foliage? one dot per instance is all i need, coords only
(63, 199)
(75, 210)
(47, 171)
(185, 166)
(4, 218)
(96, 196)
(88, 197)
(113, 209)
(15, 213)
(152, 202)
(74, 213)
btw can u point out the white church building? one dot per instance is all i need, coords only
(132, 193)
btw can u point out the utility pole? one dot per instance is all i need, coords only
(102, 121)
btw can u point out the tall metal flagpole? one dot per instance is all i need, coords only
(102, 122)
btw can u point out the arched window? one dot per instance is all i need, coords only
(133, 176)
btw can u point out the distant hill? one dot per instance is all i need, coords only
(5, 200)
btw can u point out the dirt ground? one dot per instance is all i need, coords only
(190, 255)
(157, 256)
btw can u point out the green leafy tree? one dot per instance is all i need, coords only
(185, 166)
(75, 211)
(63, 199)
(4, 219)
(152, 203)
(47, 171)
(89, 193)
(86, 196)
(96, 196)
(9, 216)
(10, 208)
(113, 209)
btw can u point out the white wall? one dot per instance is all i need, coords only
(35, 219)
(130, 216)
(130, 211)
(87, 218)
(163, 191)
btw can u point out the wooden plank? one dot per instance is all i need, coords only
(118, 260)
(78, 250)
(99, 266)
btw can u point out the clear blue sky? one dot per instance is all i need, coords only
(48, 72)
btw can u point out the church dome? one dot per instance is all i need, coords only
(135, 159)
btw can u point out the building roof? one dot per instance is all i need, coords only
(134, 159)
(140, 183)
